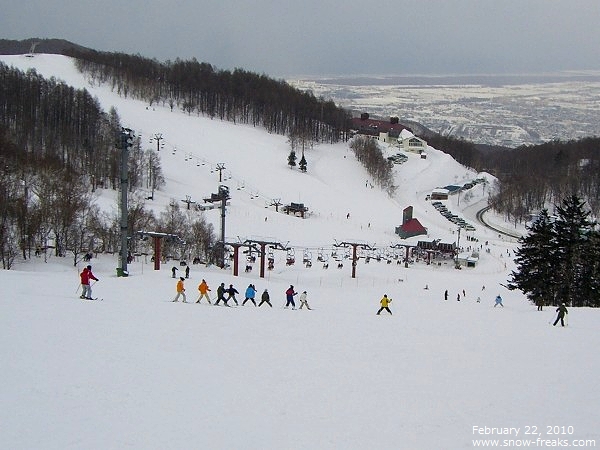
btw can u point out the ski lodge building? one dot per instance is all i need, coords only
(389, 131)
(382, 130)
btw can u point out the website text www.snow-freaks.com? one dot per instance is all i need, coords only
(539, 442)
(533, 436)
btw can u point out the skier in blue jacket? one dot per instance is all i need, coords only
(498, 301)
(250, 294)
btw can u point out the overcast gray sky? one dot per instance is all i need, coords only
(326, 37)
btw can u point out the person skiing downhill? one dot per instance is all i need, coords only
(204, 290)
(498, 301)
(250, 294)
(180, 290)
(86, 289)
(385, 304)
(264, 298)
(289, 296)
(561, 310)
(303, 300)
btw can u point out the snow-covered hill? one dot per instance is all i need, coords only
(137, 371)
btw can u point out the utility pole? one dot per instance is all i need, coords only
(127, 136)
(457, 249)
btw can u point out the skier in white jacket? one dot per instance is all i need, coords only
(303, 300)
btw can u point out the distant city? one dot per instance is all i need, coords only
(506, 110)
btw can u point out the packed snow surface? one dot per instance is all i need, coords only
(135, 370)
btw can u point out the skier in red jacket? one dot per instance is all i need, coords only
(289, 296)
(86, 289)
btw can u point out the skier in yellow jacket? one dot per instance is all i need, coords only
(385, 303)
(180, 290)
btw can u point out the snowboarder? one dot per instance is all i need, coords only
(231, 291)
(265, 298)
(561, 310)
(289, 296)
(86, 289)
(204, 290)
(303, 300)
(180, 290)
(385, 304)
(221, 294)
(446, 294)
(458, 297)
(250, 294)
(498, 301)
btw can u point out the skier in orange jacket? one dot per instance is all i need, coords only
(204, 290)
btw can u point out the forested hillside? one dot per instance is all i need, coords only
(53, 135)
(235, 96)
(533, 177)
(57, 145)
(53, 124)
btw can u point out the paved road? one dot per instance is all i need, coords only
(482, 221)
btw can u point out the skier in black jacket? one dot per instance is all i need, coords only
(221, 294)
(265, 298)
(561, 310)
(231, 291)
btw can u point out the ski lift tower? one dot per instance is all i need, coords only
(157, 239)
(221, 197)
(126, 143)
(354, 246)
(263, 245)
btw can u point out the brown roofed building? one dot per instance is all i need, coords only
(384, 130)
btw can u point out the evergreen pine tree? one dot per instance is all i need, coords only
(590, 291)
(535, 275)
(303, 164)
(292, 159)
(573, 230)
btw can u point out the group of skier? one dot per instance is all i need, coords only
(250, 294)
(231, 291)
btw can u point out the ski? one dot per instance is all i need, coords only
(93, 299)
